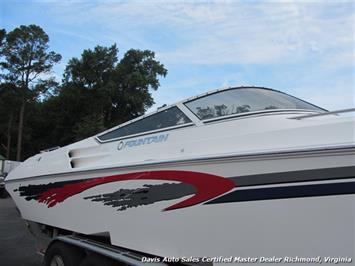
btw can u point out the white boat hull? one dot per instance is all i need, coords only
(281, 221)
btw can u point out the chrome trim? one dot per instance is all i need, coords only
(116, 253)
(326, 113)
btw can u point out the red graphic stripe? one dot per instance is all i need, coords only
(207, 186)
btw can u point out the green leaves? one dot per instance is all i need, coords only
(115, 90)
(88, 126)
(93, 69)
(26, 55)
(99, 90)
(25, 58)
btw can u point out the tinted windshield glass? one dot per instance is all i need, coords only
(167, 118)
(243, 100)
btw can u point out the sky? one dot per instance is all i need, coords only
(304, 48)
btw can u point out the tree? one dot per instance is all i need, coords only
(92, 76)
(26, 63)
(8, 107)
(110, 91)
(98, 90)
(134, 76)
(2, 37)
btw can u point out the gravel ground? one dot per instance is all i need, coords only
(17, 245)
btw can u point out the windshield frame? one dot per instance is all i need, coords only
(143, 133)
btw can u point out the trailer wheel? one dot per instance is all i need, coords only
(60, 254)
(95, 260)
(3, 193)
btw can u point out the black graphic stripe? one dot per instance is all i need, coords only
(297, 191)
(32, 192)
(295, 176)
(129, 198)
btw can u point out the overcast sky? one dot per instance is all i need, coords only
(305, 48)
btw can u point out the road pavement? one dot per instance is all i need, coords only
(17, 245)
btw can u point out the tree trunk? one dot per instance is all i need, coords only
(20, 131)
(8, 145)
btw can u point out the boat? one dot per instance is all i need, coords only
(242, 172)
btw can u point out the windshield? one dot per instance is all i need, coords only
(167, 118)
(241, 100)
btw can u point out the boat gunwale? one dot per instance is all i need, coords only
(329, 151)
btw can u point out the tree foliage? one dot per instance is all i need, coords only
(26, 58)
(98, 90)
(2, 37)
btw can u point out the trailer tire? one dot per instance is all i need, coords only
(96, 260)
(3, 193)
(61, 254)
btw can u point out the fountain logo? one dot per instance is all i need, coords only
(142, 141)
